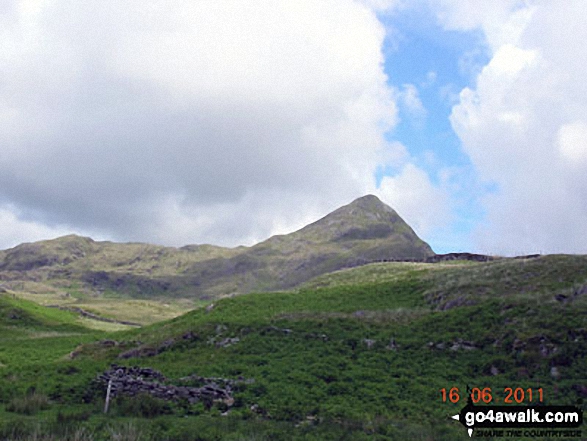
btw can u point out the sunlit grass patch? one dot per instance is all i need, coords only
(102, 325)
(135, 311)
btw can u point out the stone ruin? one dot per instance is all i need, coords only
(133, 381)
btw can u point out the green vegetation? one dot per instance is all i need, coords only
(22, 317)
(29, 404)
(356, 354)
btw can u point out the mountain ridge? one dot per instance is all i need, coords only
(362, 231)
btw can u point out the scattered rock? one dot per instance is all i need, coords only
(547, 349)
(138, 352)
(165, 345)
(562, 298)
(108, 343)
(224, 343)
(369, 342)
(392, 346)
(462, 344)
(576, 335)
(537, 339)
(147, 351)
(312, 419)
(518, 345)
(580, 291)
(286, 331)
(190, 336)
(312, 335)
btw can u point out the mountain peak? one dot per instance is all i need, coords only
(367, 220)
(369, 203)
(362, 213)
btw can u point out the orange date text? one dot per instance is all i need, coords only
(485, 395)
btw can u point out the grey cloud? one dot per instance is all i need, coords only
(94, 146)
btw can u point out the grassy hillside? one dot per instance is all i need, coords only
(22, 317)
(358, 354)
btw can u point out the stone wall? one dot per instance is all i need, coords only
(133, 381)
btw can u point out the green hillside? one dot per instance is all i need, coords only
(358, 354)
(18, 316)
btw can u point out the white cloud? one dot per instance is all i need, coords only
(410, 98)
(396, 155)
(16, 230)
(184, 122)
(382, 5)
(509, 60)
(502, 21)
(572, 142)
(523, 123)
(425, 207)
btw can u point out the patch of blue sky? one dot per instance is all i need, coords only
(421, 56)
(439, 64)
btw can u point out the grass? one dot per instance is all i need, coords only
(359, 354)
(29, 404)
(26, 315)
(382, 272)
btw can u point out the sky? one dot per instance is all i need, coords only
(218, 121)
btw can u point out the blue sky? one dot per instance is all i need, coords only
(219, 122)
(439, 63)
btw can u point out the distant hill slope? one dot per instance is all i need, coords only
(363, 231)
